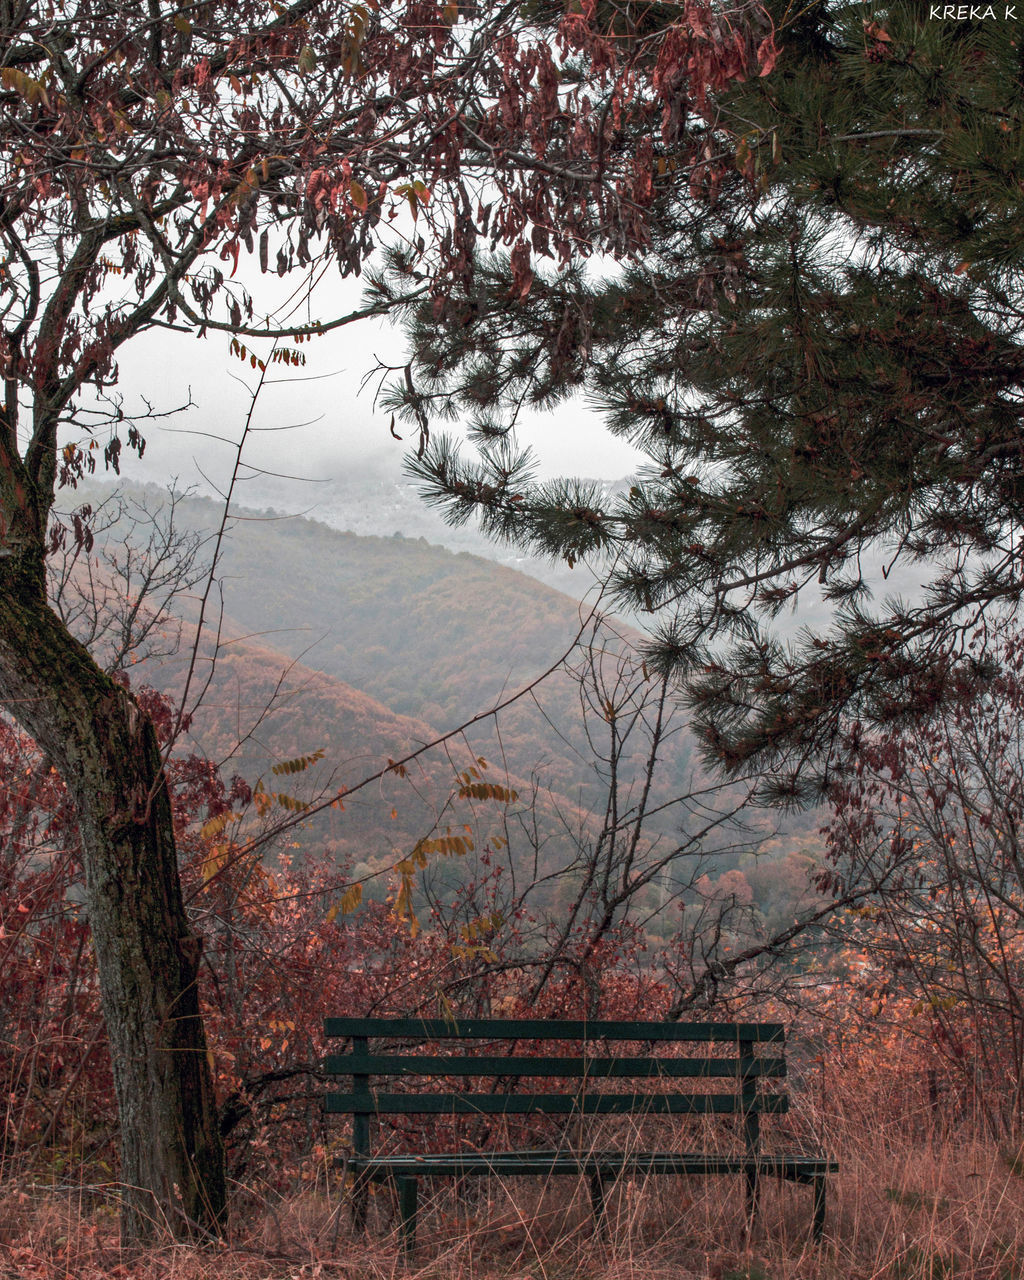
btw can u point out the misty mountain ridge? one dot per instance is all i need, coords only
(432, 636)
(377, 501)
(364, 648)
(374, 500)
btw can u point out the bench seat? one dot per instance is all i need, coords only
(794, 1168)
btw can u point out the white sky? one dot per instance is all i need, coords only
(340, 429)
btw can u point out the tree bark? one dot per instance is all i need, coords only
(172, 1160)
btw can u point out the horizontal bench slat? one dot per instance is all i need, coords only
(596, 1068)
(611, 1162)
(559, 1104)
(554, 1029)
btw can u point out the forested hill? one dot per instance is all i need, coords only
(370, 646)
(257, 712)
(429, 634)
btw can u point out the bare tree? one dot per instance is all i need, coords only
(933, 818)
(119, 581)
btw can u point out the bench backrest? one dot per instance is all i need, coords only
(744, 1066)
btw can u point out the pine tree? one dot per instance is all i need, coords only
(820, 357)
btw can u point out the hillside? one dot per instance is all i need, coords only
(373, 502)
(389, 642)
(255, 714)
(430, 634)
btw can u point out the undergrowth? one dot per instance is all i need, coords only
(942, 1205)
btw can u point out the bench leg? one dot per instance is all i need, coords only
(597, 1202)
(818, 1227)
(753, 1196)
(359, 1203)
(407, 1189)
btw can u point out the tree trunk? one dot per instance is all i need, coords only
(172, 1160)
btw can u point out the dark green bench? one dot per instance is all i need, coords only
(588, 1062)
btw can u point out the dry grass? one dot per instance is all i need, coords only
(938, 1207)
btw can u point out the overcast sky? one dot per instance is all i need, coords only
(314, 423)
(334, 427)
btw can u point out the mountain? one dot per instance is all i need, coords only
(433, 635)
(257, 712)
(373, 501)
(364, 647)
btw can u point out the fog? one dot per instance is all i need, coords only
(315, 445)
(316, 423)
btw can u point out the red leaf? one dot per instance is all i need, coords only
(767, 55)
(522, 274)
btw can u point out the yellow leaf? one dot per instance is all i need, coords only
(31, 90)
(299, 764)
(214, 862)
(216, 825)
(488, 791)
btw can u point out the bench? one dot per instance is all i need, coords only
(588, 1062)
